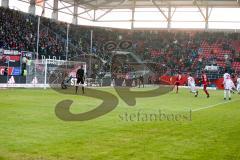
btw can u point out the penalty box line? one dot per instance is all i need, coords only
(214, 105)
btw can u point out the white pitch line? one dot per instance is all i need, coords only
(214, 105)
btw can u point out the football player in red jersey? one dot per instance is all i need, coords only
(205, 83)
(177, 82)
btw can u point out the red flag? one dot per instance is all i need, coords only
(39, 2)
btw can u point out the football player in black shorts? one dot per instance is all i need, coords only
(80, 78)
(141, 81)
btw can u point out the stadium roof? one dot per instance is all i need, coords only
(132, 14)
(130, 4)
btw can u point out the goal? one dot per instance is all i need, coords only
(51, 72)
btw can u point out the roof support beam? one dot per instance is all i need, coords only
(65, 6)
(95, 6)
(105, 13)
(32, 8)
(200, 10)
(5, 3)
(94, 15)
(90, 16)
(75, 13)
(55, 10)
(174, 11)
(160, 10)
(133, 14)
(84, 12)
(207, 17)
(169, 17)
(86, 2)
(109, 10)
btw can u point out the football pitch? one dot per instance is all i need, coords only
(167, 127)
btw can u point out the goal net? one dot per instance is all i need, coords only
(52, 72)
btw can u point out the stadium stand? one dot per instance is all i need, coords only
(171, 51)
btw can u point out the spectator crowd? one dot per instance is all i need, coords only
(166, 52)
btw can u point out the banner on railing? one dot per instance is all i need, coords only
(15, 71)
(11, 52)
(1, 51)
(11, 60)
(28, 55)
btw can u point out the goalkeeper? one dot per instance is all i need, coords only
(80, 79)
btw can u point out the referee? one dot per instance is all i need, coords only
(80, 78)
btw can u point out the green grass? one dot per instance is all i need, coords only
(29, 128)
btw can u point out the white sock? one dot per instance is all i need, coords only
(229, 94)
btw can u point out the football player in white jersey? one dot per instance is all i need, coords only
(191, 85)
(228, 85)
(238, 84)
